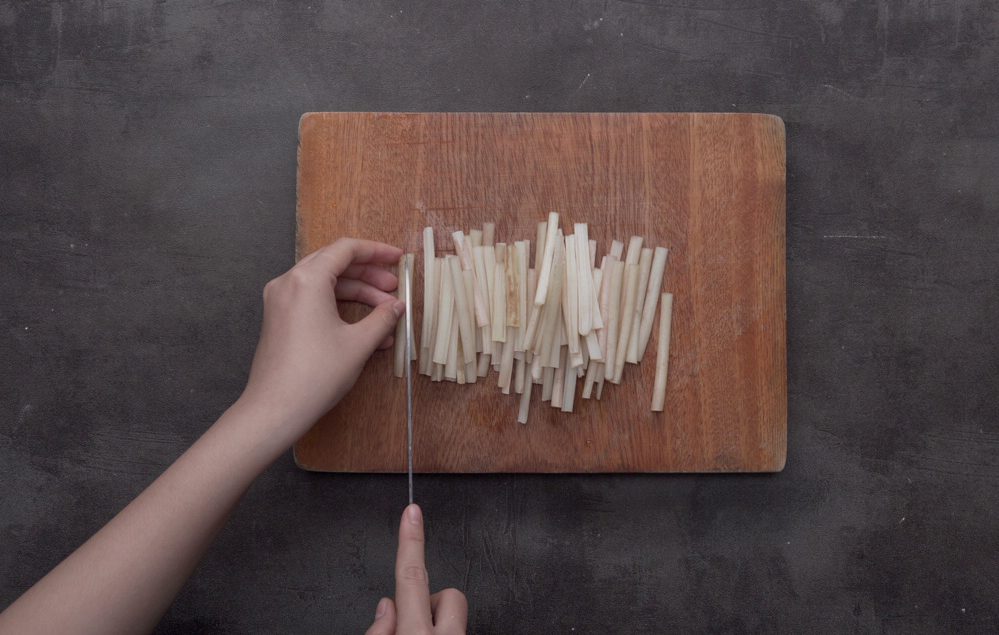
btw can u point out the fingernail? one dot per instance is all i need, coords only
(413, 514)
(398, 307)
(381, 608)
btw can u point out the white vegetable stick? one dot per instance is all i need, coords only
(593, 347)
(525, 403)
(460, 370)
(555, 355)
(570, 297)
(497, 321)
(600, 383)
(523, 249)
(624, 324)
(506, 363)
(547, 384)
(411, 261)
(429, 305)
(634, 250)
(519, 375)
(437, 374)
(593, 254)
(606, 277)
(462, 310)
(526, 308)
(644, 269)
(475, 238)
(596, 275)
(462, 249)
(489, 260)
(614, 312)
(545, 274)
(481, 289)
(470, 373)
(512, 287)
(591, 378)
(483, 369)
(584, 279)
(451, 365)
(488, 234)
(651, 294)
(662, 352)
(539, 247)
(553, 308)
(569, 391)
(617, 249)
(558, 386)
(445, 313)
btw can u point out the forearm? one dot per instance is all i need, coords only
(125, 576)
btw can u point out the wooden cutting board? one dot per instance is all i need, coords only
(708, 186)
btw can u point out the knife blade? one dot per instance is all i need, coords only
(408, 275)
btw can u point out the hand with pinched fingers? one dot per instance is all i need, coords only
(415, 611)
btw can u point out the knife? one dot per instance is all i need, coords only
(408, 275)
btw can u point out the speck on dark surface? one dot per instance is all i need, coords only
(147, 192)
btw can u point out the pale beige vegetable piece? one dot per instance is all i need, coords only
(617, 249)
(545, 274)
(525, 403)
(445, 311)
(523, 249)
(558, 386)
(512, 287)
(462, 249)
(462, 310)
(584, 279)
(568, 390)
(498, 319)
(625, 322)
(614, 312)
(547, 384)
(475, 238)
(662, 352)
(429, 286)
(651, 294)
(539, 247)
(644, 270)
(570, 297)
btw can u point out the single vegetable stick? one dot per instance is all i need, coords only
(451, 365)
(468, 279)
(617, 249)
(662, 352)
(512, 287)
(651, 293)
(544, 276)
(547, 384)
(600, 383)
(591, 378)
(483, 365)
(536, 368)
(558, 386)
(630, 291)
(614, 311)
(480, 295)
(462, 310)
(411, 262)
(553, 307)
(428, 284)
(498, 319)
(596, 275)
(644, 269)
(592, 347)
(569, 391)
(488, 234)
(523, 249)
(437, 374)
(462, 249)
(471, 375)
(445, 313)
(506, 364)
(518, 376)
(460, 370)
(570, 297)
(430, 309)
(634, 250)
(539, 247)
(525, 403)
(593, 253)
(584, 279)
(606, 278)
(399, 346)
(475, 238)
(557, 343)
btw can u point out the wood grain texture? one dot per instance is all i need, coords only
(711, 187)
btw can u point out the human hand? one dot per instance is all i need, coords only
(414, 610)
(308, 357)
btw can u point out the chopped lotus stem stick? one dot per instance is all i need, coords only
(489, 260)
(539, 247)
(553, 307)
(536, 369)
(568, 390)
(592, 347)
(488, 234)
(614, 311)
(437, 374)
(547, 384)
(558, 342)
(451, 366)
(431, 344)
(617, 249)
(519, 376)
(512, 287)
(651, 294)
(498, 319)
(445, 311)
(584, 279)
(634, 250)
(591, 378)
(399, 346)
(429, 286)
(462, 310)
(483, 365)
(411, 263)
(470, 375)
(596, 275)
(468, 279)
(627, 311)
(523, 249)
(482, 286)
(600, 383)
(644, 269)
(525, 403)
(506, 364)
(462, 249)
(545, 274)
(606, 277)
(558, 387)
(475, 238)
(662, 352)
(460, 370)
(570, 300)
(593, 254)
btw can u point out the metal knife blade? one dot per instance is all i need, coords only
(408, 275)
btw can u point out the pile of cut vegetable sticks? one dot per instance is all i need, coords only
(550, 325)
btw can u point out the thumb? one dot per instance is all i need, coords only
(379, 324)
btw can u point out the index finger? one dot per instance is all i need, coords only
(412, 588)
(333, 259)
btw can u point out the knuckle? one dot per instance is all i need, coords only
(413, 573)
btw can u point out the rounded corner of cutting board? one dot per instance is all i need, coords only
(300, 462)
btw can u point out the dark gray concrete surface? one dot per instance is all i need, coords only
(147, 192)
